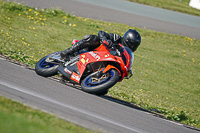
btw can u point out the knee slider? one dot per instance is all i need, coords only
(87, 38)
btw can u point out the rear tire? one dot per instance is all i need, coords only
(100, 88)
(46, 69)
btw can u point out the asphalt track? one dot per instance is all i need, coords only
(90, 111)
(126, 12)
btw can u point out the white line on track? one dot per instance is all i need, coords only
(23, 90)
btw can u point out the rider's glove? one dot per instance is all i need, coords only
(107, 42)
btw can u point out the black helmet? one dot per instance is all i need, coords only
(132, 39)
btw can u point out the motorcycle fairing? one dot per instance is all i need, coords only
(102, 54)
(75, 72)
(71, 72)
(91, 57)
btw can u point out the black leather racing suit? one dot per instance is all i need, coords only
(90, 42)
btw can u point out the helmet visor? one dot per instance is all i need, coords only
(133, 45)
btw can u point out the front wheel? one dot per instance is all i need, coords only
(46, 69)
(100, 85)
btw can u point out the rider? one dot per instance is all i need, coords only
(131, 39)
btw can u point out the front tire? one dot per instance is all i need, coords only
(102, 86)
(46, 69)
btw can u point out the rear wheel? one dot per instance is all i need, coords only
(46, 69)
(100, 85)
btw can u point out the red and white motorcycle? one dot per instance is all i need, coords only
(96, 71)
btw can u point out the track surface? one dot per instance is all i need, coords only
(76, 106)
(126, 12)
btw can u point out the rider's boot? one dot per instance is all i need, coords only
(89, 41)
(65, 54)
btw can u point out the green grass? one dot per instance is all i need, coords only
(166, 68)
(18, 118)
(174, 5)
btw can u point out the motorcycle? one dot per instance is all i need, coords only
(96, 71)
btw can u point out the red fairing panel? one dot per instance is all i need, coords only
(92, 56)
(102, 54)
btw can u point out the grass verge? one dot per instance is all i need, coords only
(166, 68)
(174, 5)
